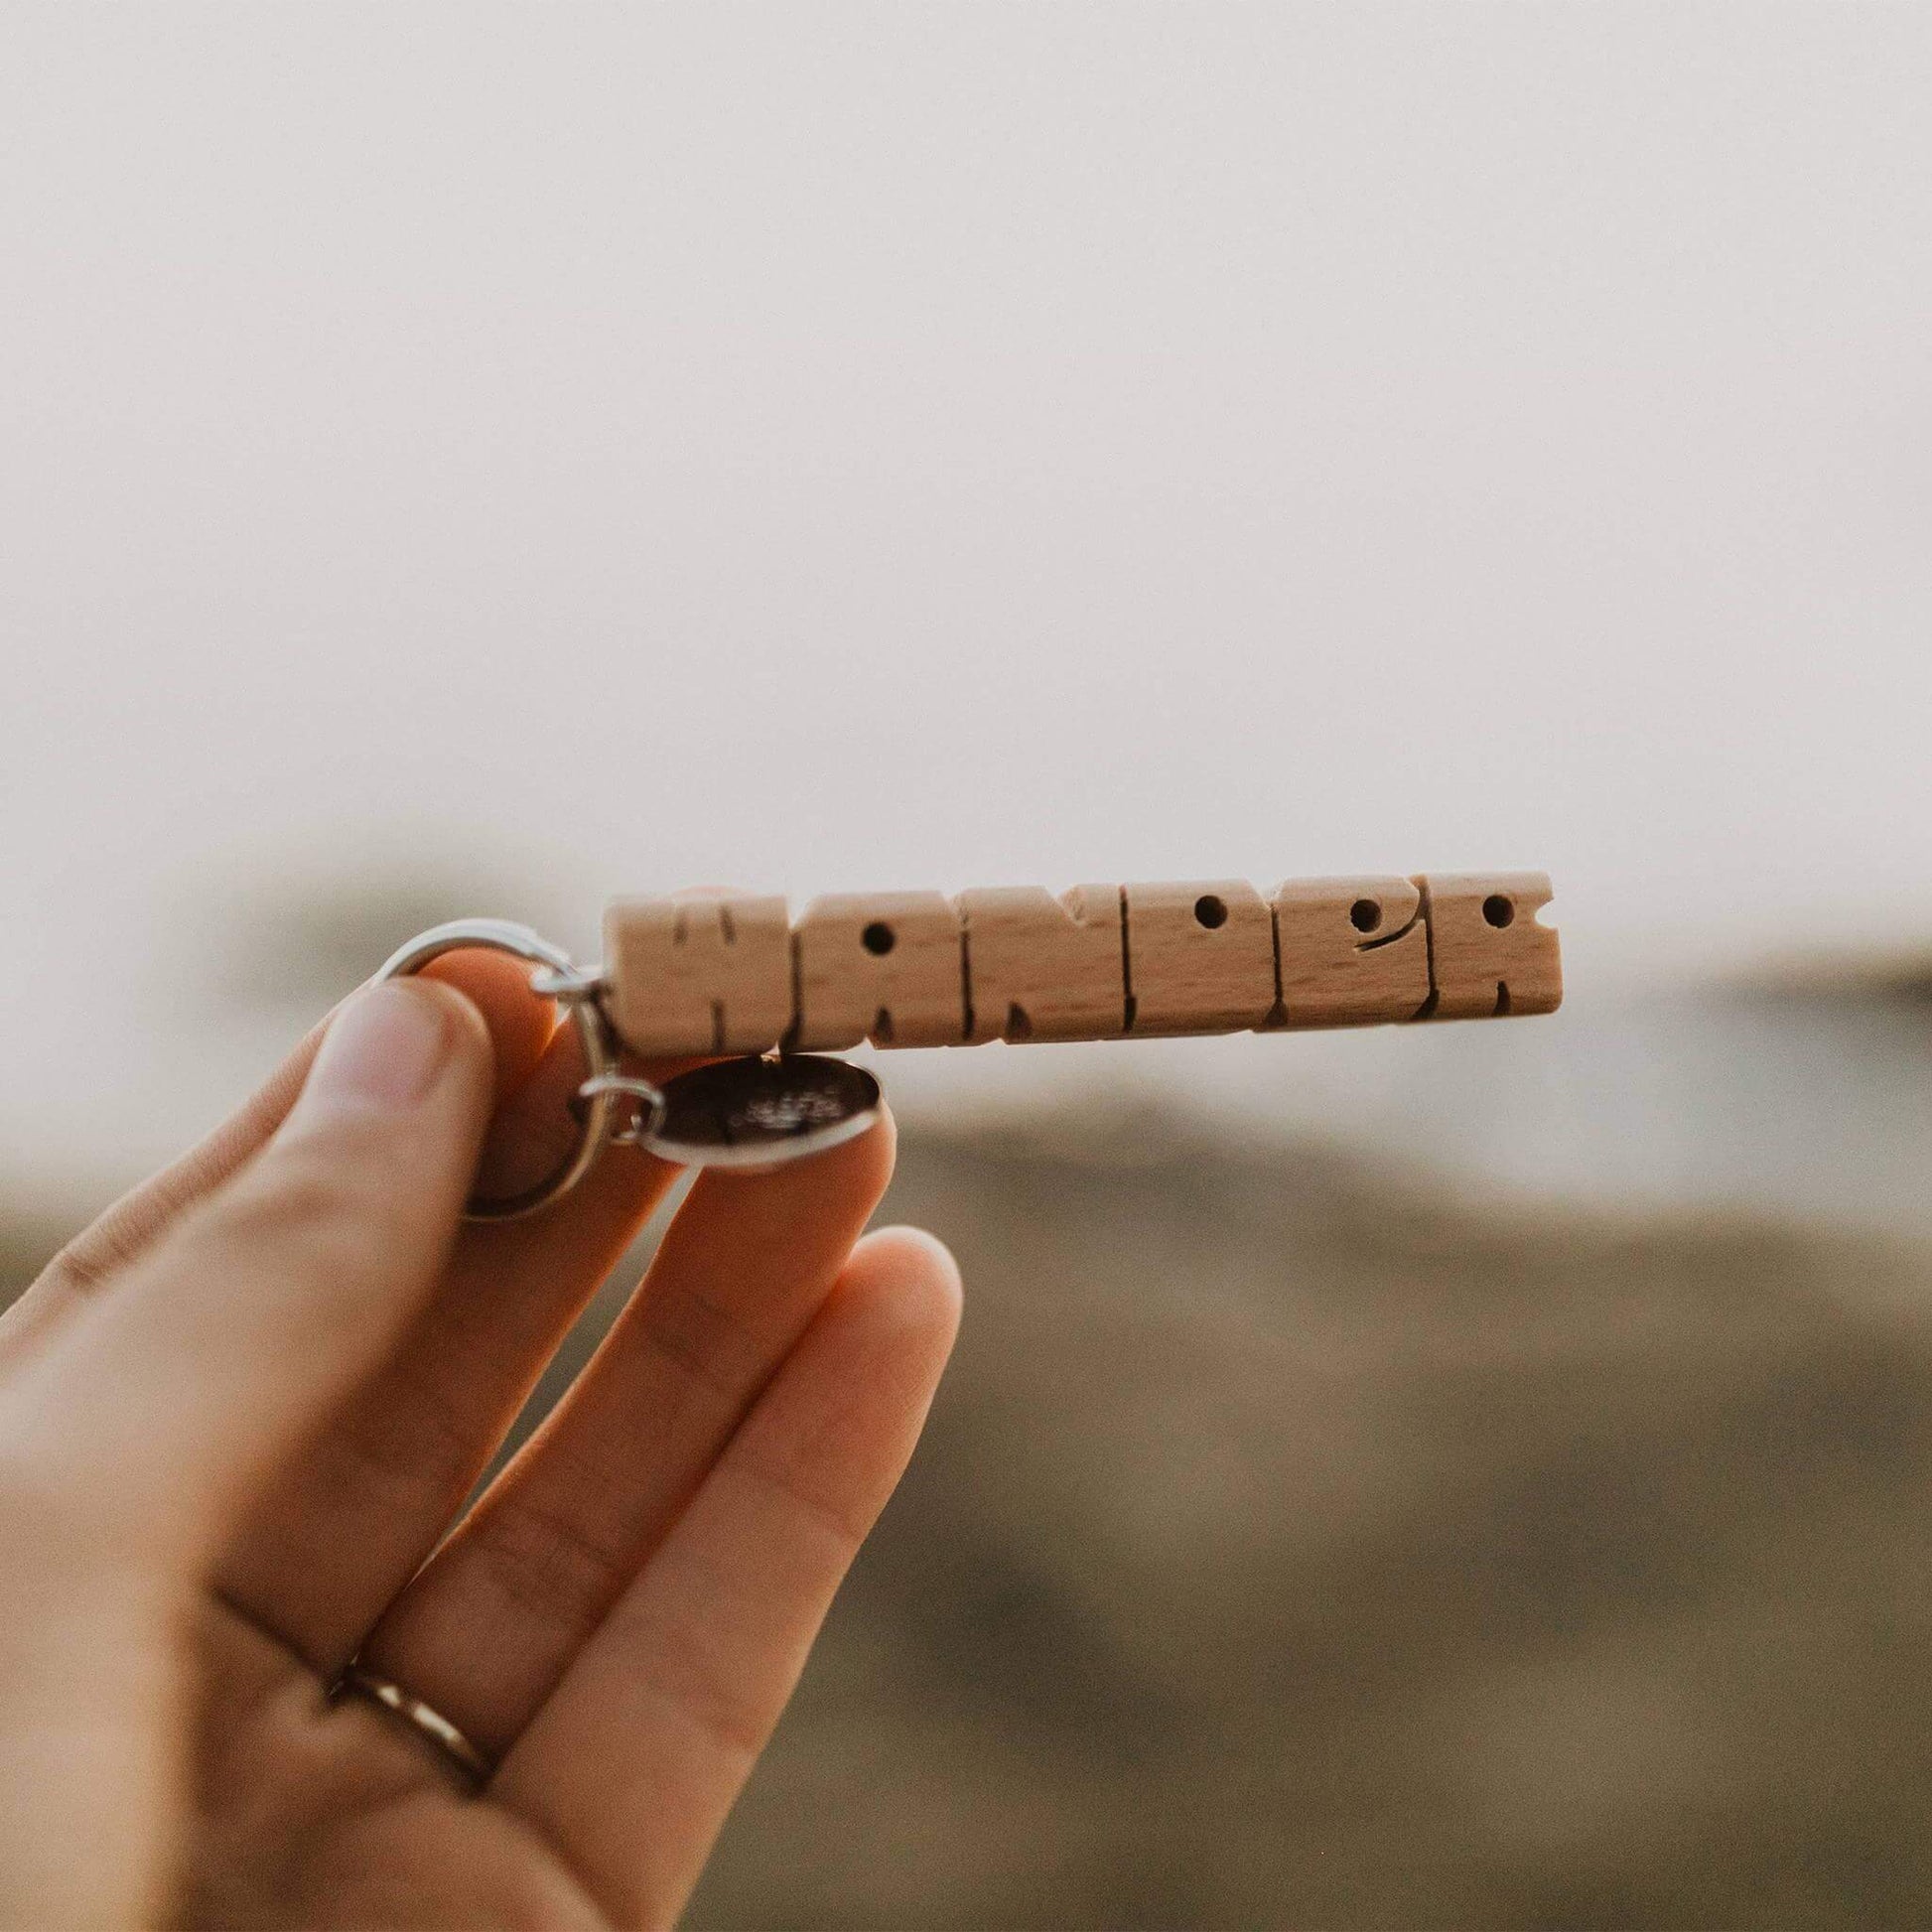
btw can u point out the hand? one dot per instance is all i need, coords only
(239, 1414)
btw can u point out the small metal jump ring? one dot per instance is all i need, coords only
(644, 1121)
(560, 978)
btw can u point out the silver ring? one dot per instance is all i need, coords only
(432, 1724)
(559, 977)
(646, 1118)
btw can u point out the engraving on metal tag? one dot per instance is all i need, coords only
(757, 1113)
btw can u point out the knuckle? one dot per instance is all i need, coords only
(336, 1213)
(731, 1718)
(549, 1564)
(815, 1506)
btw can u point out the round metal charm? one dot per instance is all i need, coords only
(757, 1113)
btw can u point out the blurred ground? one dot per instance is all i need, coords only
(1291, 1547)
(1293, 1544)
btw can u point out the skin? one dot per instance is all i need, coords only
(239, 1417)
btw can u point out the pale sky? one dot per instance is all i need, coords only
(903, 446)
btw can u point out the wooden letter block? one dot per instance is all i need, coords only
(1352, 951)
(699, 975)
(1200, 958)
(883, 966)
(1043, 968)
(1489, 954)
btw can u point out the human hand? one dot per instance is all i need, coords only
(240, 1412)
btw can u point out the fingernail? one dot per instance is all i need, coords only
(384, 1048)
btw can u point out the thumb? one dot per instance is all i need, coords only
(172, 1397)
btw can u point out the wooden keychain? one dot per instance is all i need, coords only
(736, 978)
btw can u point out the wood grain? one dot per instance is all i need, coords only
(1490, 957)
(1200, 958)
(1353, 952)
(879, 966)
(729, 974)
(699, 975)
(1043, 968)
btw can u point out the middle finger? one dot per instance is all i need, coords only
(351, 1519)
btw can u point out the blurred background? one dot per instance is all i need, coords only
(485, 459)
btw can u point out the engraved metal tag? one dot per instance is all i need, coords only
(758, 1113)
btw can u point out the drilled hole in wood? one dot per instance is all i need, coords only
(1211, 910)
(1365, 916)
(1497, 909)
(879, 939)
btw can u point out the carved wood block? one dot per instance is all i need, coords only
(708, 975)
(1043, 968)
(883, 966)
(1200, 958)
(1352, 951)
(1490, 956)
(697, 975)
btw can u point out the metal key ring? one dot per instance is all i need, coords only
(559, 977)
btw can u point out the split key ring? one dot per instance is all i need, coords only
(750, 1112)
